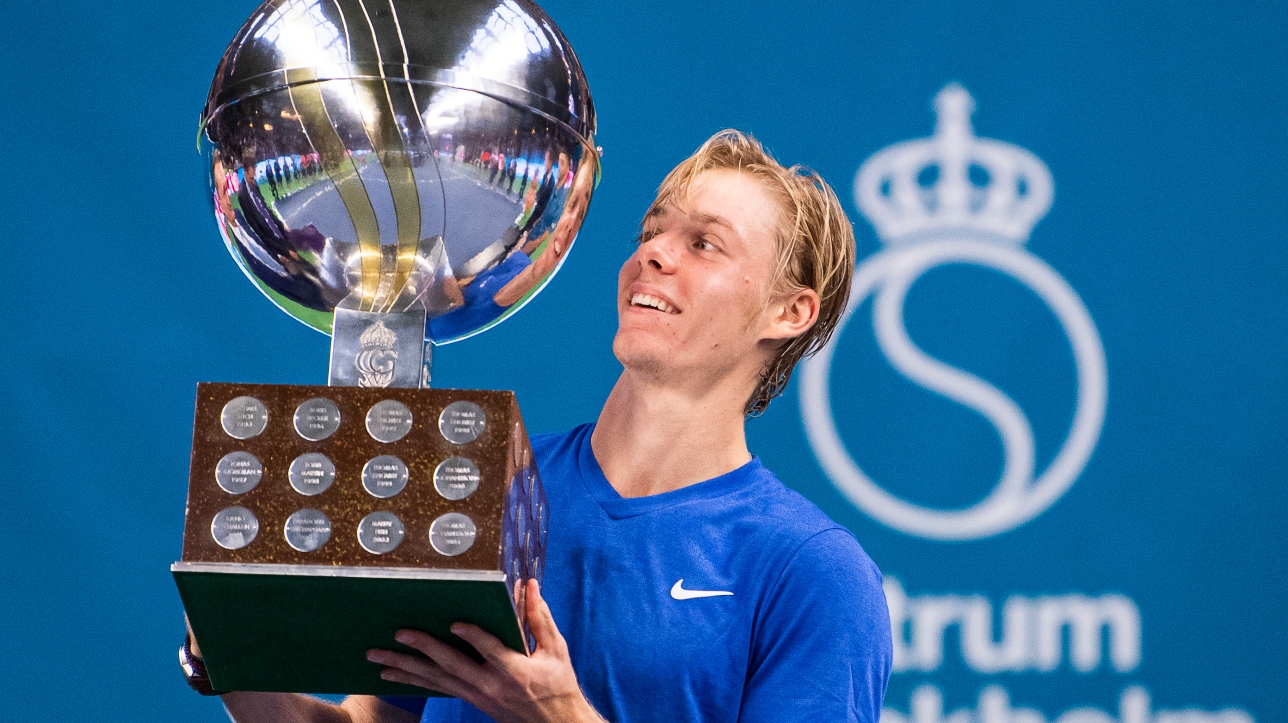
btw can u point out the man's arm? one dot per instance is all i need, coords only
(821, 648)
(246, 707)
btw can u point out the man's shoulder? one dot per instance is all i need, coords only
(551, 440)
(786, 512)
(551, 445)
(791, 528)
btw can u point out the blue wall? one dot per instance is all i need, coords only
(1162, 124)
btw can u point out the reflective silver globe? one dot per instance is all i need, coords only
(392, 155)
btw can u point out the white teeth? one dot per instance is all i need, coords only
(652, 302)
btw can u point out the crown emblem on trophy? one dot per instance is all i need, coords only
(953, 182)
(377, 359)
(377, 336)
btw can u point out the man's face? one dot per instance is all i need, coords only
(691, 299)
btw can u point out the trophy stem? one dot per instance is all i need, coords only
(371, 349)
(427, 365)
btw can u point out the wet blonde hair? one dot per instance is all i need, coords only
(815, 242)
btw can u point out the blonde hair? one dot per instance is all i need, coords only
(815, 242)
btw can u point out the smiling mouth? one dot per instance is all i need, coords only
(652, 302)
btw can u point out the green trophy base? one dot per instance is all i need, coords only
(307, 629)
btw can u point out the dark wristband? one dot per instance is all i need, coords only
(194, 669)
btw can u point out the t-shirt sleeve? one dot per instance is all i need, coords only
(410, 703)
(821, 648)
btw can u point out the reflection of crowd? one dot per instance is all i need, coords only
(553, 211)
(555, 231)
(286, 174)
(516, 162)
(548, 176)
(284, 259)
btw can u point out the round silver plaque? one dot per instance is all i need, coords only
(244, 417)
(452, 534)
(307, 530)
(388, 421)
(317, 419)
(311, 474)
(234, 527)
(380, 532)
(384, 476)
(456, 478)
(543, 518)
(461, 422)
(238, 472)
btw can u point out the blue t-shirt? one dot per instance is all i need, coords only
(804, 636)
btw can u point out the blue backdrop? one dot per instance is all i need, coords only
(1154, 582)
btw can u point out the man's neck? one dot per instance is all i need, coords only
(652, 439)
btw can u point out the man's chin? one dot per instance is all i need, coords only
(642, 359)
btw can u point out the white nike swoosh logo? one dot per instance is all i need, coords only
(679, 593)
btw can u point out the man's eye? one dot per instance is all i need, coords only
(703, 245)
(646, 236)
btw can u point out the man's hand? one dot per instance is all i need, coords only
(509, 686)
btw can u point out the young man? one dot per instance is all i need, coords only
(684, 582)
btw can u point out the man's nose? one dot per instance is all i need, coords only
(660, 253)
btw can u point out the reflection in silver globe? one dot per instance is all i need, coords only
(398, 156)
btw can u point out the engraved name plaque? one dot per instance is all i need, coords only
(243, 417)
(234, 528)
(389, 421)
(381, 532)
(307, 530)
(238, 472)
(317, 419)
(384, 476)
(462, 422)
(456, 478)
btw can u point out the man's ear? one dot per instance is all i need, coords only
(792, 315)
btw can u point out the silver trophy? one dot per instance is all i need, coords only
(399, 174)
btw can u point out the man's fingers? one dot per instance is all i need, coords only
(192, 639)
(417, 671)
(450, 659)
(492, 650)
(542, 622)
(396, 675)
(414, 664)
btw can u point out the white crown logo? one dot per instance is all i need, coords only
(953, 182)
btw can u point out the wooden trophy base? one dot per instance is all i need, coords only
(321, 520)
